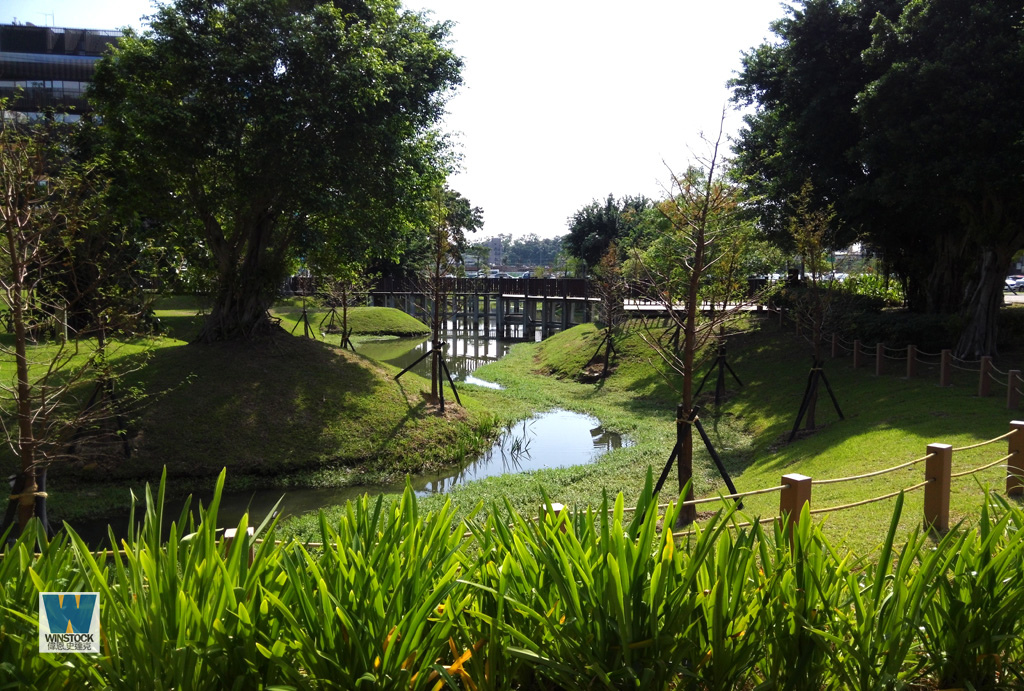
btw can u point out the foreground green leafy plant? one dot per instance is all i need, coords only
(585, 599)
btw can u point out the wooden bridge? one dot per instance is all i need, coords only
(513, 307)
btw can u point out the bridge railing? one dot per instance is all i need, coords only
(533, 287)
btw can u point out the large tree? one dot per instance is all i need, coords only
(943, 135)
(904, 116)
(804, 88)
(238, 121)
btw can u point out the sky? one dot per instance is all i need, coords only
(563, 102)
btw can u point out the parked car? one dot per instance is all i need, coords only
(1014, 282)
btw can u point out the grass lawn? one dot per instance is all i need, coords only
(181, 317)
(294, 412)
(889, 420)
(287, 411)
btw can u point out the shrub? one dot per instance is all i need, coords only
(604, 598)
(875, 286)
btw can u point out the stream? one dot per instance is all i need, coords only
(551, 439)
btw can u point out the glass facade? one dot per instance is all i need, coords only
(49, 68)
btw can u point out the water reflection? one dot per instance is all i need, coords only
(464, 354)
(557, 438)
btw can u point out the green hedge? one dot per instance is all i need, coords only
(602, 598)
(866, 317)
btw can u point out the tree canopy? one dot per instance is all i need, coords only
(903, 115)
(596, 226)
(241, 123)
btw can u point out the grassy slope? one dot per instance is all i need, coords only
(181, 317)
(289, 406)
(364, 321)
(889, 420)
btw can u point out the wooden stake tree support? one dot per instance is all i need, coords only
(816, 374)
(438, 364)
(721, 364)
(684, 435)
(331, 319)
(307, 328)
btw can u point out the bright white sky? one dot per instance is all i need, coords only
(564, 101)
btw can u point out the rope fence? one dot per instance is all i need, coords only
(945, 361)
(795, 490)
(873, 500)
(874, 474)
(974, 471)
(984, 443)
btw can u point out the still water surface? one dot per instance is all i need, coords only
(553, 439)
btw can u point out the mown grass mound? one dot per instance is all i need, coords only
(363, 321)
(287, 404)
(567, 354)
(181, 317)
(578, 354)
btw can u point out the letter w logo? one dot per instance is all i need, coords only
(68, 612)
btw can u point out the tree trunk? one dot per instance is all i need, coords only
(944, 285)
(26, 433)
(688, 514)
(810, 421)
(435, 341)
(245, 291)
(981, 305)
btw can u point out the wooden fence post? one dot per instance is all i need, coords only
(937, 471)
(984, 377)
(946, 368)
(1012, 392)
(856, 353)
(911, 361)
(879, 358)
(231, 533)
(792, 498)
(553, 513)
(1015, 465)
(835, 346)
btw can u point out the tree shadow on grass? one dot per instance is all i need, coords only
(261, 407)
